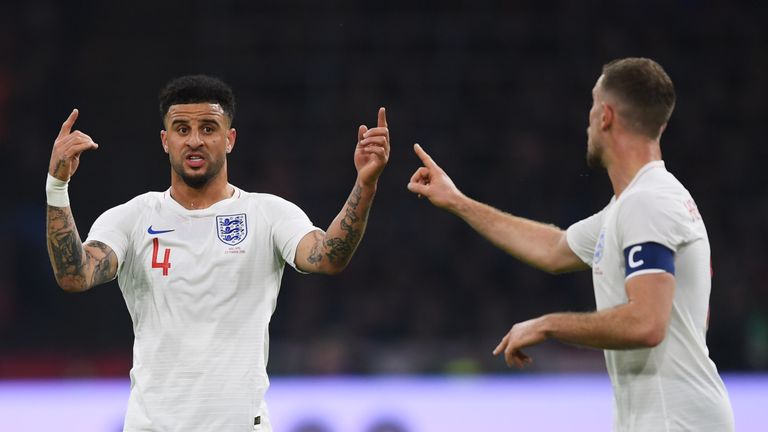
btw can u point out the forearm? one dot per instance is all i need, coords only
(617, 328)
(534, 243)
(333, 250)
(65, 249)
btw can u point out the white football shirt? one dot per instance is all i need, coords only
(200, 286)
(675, 385)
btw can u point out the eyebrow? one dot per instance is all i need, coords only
(185, 120)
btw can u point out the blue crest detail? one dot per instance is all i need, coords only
(599, 248)
(231, 229)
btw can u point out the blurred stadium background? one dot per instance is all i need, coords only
(497, 91)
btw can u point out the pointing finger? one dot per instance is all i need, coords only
(66, 127)
(382, 117)
(500, 347)
(425, 158)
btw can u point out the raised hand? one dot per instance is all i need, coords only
(67, 148)
(372, 151)
(432, 182)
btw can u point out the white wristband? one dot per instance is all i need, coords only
(56, 192)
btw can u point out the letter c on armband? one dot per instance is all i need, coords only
(649, 257)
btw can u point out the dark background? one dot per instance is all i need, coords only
(497, 91)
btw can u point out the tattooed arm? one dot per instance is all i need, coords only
(329, 252)
(76, 267)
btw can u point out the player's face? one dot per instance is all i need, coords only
(197, 139)
(594, 145)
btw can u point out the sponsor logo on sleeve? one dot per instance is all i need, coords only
(599, 247)
(693, 210)
(599, 252)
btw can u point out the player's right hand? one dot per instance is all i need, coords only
(65, 156)
(432, 182)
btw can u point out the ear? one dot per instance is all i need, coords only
(164, 140)
(231, 137)
(607, 117)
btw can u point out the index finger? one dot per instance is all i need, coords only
(501, 346)
(382, 117)
(66, 127)
(425, 158)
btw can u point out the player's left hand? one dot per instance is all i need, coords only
(372, 151)
(521, 335)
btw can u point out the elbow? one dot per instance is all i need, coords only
(333, 270)
(545, 264)
(553, 266)
(71, 285)
(558, 266)
(554, 270)
(650, 329)
(652, 335)
(69, 288)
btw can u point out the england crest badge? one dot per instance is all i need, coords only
(231, 229)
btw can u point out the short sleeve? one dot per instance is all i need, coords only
(582, 236)
(646, 217)
(114, 227)
(289, 225)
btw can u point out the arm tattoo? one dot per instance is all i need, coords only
(315, 256)
(105, 262)
(64, 246)
(59, 166)
(71, 261)
(342, 248)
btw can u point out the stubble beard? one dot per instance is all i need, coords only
(594, 157)
(197, 181)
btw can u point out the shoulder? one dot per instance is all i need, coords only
(140, 202)
(661, 210)
(131, 209)
(263, 199)
(271, 205)
(658, 192)
(148, 198)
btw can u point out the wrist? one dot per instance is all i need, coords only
(367, 185)
(460, 205)
(546, 325)
(56, 192)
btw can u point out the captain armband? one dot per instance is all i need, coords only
(649, 257)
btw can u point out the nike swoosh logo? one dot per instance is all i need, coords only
(151, 231)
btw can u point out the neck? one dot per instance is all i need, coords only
(217, 189)
(630, 156)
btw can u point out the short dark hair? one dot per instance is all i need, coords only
(196, 89)
(646, 90)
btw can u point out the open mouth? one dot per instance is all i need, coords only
(195, 160)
